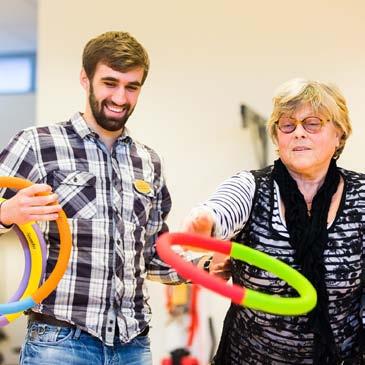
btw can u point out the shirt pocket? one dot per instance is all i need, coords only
(76, 192)
(142, 205)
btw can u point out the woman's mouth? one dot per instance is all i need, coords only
(301, 148)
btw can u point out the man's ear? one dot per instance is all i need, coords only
(84, 80)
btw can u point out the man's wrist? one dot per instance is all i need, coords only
(1, 222)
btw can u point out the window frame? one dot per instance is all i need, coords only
(29, 56)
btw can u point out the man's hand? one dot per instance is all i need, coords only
(35, 203)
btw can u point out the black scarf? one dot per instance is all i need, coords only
(309, 237)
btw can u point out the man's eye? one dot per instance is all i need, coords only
(132, 88)
(109, 84)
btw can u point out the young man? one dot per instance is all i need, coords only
(113, 191)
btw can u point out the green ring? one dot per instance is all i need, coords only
(270, 303)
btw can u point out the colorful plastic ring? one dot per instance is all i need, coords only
(64, 254)
(35, 254)
(240, 295)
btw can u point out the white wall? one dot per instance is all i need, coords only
(11, 271)
(207, 57)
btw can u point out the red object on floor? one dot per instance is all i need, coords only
(194, 316)
(187, 360)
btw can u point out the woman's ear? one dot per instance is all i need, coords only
(276, 144)
(339, 135)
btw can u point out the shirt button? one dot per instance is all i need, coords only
(110, 329)
(75, 179)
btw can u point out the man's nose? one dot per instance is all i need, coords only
(119, 97)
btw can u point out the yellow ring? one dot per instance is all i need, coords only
(62, 262)
(36, 263)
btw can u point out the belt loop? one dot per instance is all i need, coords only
(77, 333)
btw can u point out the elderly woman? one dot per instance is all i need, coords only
(307, 212)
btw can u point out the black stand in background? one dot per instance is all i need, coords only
(257, 124)
(2, 338)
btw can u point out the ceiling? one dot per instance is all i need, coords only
(18, 26)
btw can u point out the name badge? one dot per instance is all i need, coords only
(142, 186)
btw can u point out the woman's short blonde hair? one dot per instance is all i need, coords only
(323, 97)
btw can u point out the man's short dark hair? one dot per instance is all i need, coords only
(117, 50)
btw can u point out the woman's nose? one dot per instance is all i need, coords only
(299, 131)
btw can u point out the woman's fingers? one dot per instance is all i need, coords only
(221, 266)
(199, 222)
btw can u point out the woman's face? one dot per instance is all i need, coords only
(308, 153)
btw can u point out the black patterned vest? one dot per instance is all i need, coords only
(252, 337)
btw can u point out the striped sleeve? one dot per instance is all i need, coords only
(158, 270)
(231, 204)
(361, 203)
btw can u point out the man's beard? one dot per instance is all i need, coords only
(109, 124)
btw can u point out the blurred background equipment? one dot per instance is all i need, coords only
(257, 125)
(186, 340)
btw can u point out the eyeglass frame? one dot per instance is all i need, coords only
(301, 122)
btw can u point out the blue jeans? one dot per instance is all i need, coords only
(51, 345)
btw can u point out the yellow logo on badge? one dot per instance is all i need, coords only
(142, 186)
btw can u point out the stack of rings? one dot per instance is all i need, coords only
(240, 295)
(35, 253)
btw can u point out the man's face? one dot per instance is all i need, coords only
(113, 96)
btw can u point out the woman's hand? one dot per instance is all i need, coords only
(221, 266)
(200, 222)
(34, 203)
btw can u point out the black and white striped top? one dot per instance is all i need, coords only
(260, 338)
(114, 224)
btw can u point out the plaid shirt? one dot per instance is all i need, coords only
(114, 223)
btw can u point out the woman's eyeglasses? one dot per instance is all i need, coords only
(310, 124)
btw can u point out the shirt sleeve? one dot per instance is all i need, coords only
(18, 159)
(230, 206)
(158, 270)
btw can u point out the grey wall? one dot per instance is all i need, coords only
(16, 112)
